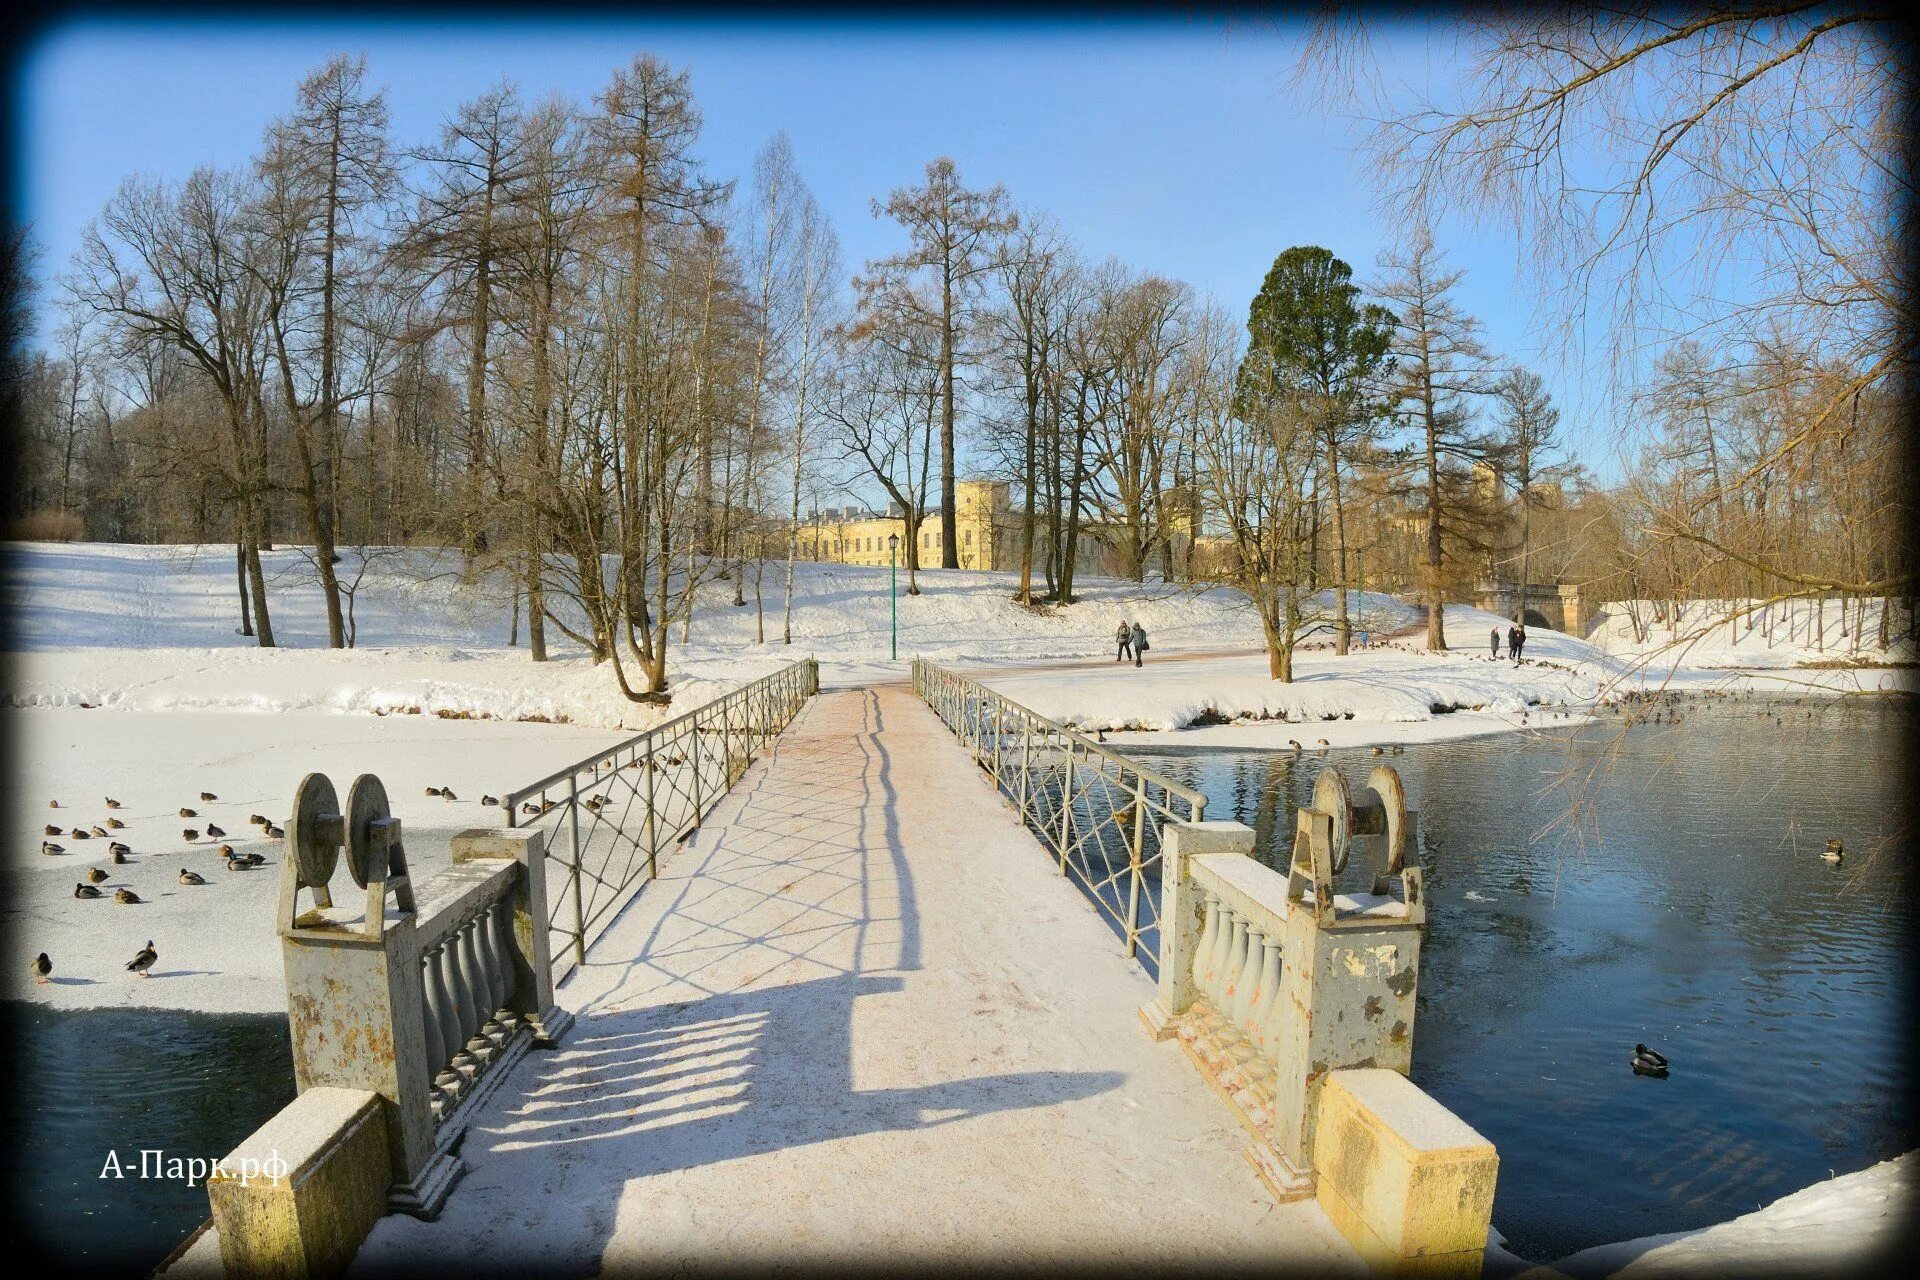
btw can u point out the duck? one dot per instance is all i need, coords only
(489, 802)
(114, 824)
(112, 803)
(1399, 751)
(120, 855)
(126, 897)
(1648, 1063)
(119, 850)
(446, 793)
(433, 791)
(49, 847)
(1834, 851)
(1379, 751)
(189, 835)
(275, 833)
(42, 968)
(51, 830)
(100, 831)
(225, 851)
(1295, 745)
(85, 891)
(215, 830)
(53, 804)
(191, 877)
(79, 834)
(188, 813)
(95, 875)
(257, 820)
(529, 808)
(208, 796)
(143, 960)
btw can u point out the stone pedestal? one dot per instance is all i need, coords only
(297, 1198)
(1407, 1182)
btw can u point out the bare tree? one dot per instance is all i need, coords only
(954, 237)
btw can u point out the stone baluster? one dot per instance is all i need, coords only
(478, 1039)
(447, 1077)
(1219, 1025)
(437, 1049)
(500, 935)
(466, 1004)
(1247, 981)
(1222, 935)
(1263, 1024)
(486, 949)
(1209, 933)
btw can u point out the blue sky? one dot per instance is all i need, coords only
(1174, 145)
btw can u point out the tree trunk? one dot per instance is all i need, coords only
(240, 575)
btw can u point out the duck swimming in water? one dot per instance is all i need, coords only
(1648, 1063)
(1834, 851)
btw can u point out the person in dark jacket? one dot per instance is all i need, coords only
(1125, 636)
(1518, 642)
(1496, 642)
(1139, 642)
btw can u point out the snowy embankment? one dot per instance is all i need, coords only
(1839, 1227)
(1753, 634)
(1392, 691)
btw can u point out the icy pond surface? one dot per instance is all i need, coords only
(1688, 908)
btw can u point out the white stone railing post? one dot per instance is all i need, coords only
(1184, 921)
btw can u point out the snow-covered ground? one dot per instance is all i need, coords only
(217, 942)
(156, 628)
(1839, 1227)
(128, 678)
(1394, 691)
(1752, 634)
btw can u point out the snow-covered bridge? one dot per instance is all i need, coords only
(829, 998)
(858, 1015)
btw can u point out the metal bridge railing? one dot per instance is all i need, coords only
(1098, 812)
(607, 818)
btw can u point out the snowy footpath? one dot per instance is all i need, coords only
(859, 1018)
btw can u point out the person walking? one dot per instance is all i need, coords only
(1496, 642)
(1513, 643)
(1139, 642)
(1125, 636)
(1519, 641)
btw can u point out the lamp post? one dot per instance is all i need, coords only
(893, 593)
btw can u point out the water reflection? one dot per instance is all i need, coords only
(92, 1081)
(1677, 897)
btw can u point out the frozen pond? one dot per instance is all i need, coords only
(1689, 909)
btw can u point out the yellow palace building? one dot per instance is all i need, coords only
(984, 526)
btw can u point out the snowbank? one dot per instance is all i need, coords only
(1750, 634)
(1835, 1227)
(1395, 690)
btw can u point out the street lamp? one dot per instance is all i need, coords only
(893, 592)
